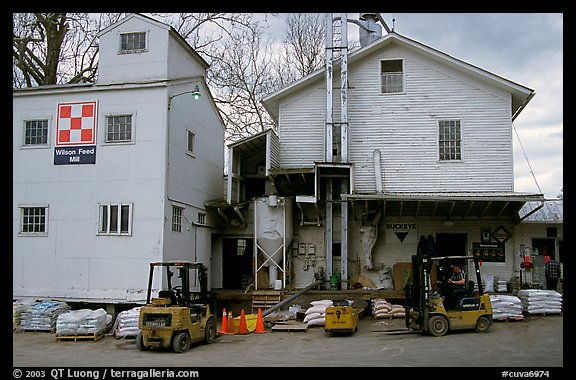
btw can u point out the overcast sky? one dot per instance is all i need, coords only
(526, 48)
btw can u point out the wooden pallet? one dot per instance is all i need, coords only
(265, 299)
(51, 331)
(508, 319)
(94, 337)
(290, 326)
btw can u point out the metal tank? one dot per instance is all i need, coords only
(273, 235)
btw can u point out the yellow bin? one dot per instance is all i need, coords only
(251, 320)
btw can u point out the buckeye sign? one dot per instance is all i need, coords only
(401, 232)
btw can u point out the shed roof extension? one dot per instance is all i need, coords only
(551, 212)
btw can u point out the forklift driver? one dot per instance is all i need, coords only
(454, 288)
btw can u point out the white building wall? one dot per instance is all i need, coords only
(73, 260)
(193, 177)
(301, 129)
(180, 63)
(144, 66)
(389, 250)
(404, 127)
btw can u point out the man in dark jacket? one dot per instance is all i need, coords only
(552, 272)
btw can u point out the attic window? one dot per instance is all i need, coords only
(392, 76)
(132, 42)
(449, 140)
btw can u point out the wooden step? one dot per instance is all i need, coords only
(264, 299)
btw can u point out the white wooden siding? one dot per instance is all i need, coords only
(301, 129)
(404, 128)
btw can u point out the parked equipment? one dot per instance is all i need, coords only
(428, 311)
(178, 317)
(340, 318)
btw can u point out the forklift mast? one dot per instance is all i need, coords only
(187, 298)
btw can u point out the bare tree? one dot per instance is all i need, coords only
(240, 75)
(304, 46)
(56, 48)
(206, 32)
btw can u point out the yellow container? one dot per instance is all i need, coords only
(251, 320)
(340, 319)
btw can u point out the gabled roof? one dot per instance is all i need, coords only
(162, 25)
(521, 95)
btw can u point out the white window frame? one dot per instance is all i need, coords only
(177, 219)
(48, 121)
(33, 233)
(107, 117)
(380, 73)
(104, 230)
(201, 218)
(190, 133)
(133, 51)
(461, 141)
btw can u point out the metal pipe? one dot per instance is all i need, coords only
(292, 297)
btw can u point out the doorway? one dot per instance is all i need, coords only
(451, 244)
(237, 263)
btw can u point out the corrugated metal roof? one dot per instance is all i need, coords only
(551, 212)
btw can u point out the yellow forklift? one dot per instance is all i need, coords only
(429, 311)
(178, 317)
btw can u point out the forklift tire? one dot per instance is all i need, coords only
(140, 342)
(181, 342)
(482, 325)
(210, 332)
(438, 325)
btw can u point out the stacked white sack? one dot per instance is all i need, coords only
(537, 301)
(82, 322)
(126, 324)
(19, 307)
(315, 315)
(506, 306)
(42, 316)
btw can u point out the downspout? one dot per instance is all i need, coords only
(378, 171)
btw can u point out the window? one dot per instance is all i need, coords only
(33, 220)
(115, 219)
(132, 42)
(392, 76)
(449, 140)
(201, 218)
(36, 133)
(118, 128)
(240, 247)
(190, 142)
(177, 218)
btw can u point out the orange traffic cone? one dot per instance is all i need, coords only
(230, 325)
(259, 323)
(224, 324)
(243, 328)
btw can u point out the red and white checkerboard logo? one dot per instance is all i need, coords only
(76, 124)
